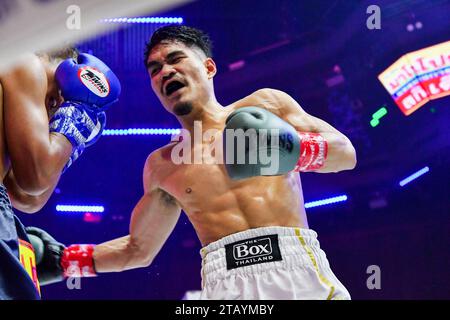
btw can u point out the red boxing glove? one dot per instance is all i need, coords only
(77, 261)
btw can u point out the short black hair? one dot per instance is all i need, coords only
(188, 35)
(62, 53)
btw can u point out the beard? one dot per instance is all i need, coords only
(183, 108)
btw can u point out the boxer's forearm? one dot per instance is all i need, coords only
(119, 255)
(37, 171)
(48, 161)
(341, 154)
(153, 219)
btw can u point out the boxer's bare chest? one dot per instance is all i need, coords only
(194, 172)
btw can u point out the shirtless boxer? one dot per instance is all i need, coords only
(48, 115)
(254, 231)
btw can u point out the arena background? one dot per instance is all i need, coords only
(322, 54)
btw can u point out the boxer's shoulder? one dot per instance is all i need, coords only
(27, 64)
(270, 99)
(156, 157)
(28, 72)
(158, 163)
(269, 93)
(150, 175)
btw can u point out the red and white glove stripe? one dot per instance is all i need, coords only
(78, 261)
(313, 149)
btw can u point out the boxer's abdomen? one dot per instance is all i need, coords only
(218, 206)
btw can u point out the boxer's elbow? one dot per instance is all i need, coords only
(350, 156)
(37, 169)
(342, 155)
(32, 182)
(146, 259)
(33, 188)
(21, 200)
(139, 256)
(140, 261)
(144, 262)
(31, 209)
(28, 205)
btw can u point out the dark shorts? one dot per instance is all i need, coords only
(17, 267)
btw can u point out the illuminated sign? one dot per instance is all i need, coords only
(418, 77)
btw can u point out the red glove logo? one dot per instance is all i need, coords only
(94, 80)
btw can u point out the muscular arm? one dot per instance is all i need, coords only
(37, 157)
(20, 199)
(341, 153)
(153, 219)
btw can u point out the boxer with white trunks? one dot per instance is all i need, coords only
(251, 221)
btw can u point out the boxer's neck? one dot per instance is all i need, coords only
(210, 114)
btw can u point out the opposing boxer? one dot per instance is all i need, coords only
(254, 230)
(52, 107)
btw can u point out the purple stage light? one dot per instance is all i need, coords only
(176, 20)
(326, 201)
(80, 208)
(140, 131)
(413, 176)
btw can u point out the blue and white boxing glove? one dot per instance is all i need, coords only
(79, 124)
(89, 87)
(89, 80)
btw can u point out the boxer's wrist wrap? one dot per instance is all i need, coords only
(313, 152)
(78, 261)
(76, 152)
(80, 125)
(75, 121)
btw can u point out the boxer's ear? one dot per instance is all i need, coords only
(211, 68)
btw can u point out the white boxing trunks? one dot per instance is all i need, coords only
(268, 263)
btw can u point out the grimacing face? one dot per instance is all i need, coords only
(180, 75)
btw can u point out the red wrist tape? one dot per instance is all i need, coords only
(78, 261)
(314, 149)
